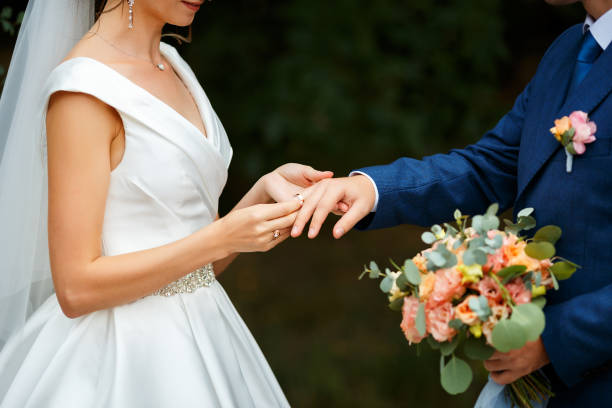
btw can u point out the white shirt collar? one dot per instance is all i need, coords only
(600, 28)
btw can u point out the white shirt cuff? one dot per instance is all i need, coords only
(355, 173)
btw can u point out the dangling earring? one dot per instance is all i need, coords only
(131, 14)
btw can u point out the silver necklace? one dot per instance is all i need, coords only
(159, 66)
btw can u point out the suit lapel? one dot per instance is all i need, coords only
(540, 145)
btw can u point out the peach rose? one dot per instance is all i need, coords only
(561, 126)
(464, 313)
(408, 325)
(490, 289)
(421, 263)
(447, 286)
(437, 322)
(518, 291)
(427, 285)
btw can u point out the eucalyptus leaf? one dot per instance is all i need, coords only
(540, 301)
(555, 281)
(563, 270)
(474, 256)
(493, 209)
(456, 376)
(540, 250)
(386, 284)
(411, 272)
(448, 347)
(436, 258)
(530, 318)
(549, 233)
(428, 238)
(397, 304)
(525, 212)
(496, 242)
(457, 244)
(402, 282)
(480, 306)
(510, 272)
(527, 223)
(477, 349)
(456, 324)
(433, 343)
(508, 335)
(420, 319)
(457, 214)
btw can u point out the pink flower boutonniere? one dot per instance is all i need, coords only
(573, 133)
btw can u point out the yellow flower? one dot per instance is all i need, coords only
(471, 273)
(476, 330)
(561, 126)
(538, 291)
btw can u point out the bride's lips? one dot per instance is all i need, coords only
(193, 6)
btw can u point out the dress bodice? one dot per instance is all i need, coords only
(169, 180)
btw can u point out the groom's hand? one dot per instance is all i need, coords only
(508, 367)
(354, 196)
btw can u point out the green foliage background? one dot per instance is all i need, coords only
(340, 85)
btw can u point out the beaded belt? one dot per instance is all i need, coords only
(204, 276)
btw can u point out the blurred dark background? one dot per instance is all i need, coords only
(340, 85)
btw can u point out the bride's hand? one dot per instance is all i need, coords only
(289, 179)
(257, 228)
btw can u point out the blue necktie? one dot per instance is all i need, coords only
(588, 53)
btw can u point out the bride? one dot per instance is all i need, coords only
(110, 238)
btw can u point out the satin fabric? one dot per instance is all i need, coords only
(187, 350)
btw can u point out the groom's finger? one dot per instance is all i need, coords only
(274, 211)
(356, 212)
(307, 209)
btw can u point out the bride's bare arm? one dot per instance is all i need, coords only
(80, 129)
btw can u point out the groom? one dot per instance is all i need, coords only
(520, 164)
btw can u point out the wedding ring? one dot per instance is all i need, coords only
(299, 197)
(276, 234)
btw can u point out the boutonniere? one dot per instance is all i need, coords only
(574, 132)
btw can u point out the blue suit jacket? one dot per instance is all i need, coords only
(519, 164)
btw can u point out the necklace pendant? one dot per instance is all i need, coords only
(161, 67)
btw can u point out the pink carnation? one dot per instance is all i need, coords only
(408, 325)
(490, 289)
(437, 321)
(518, 291)
(584, 131)
(447, 286)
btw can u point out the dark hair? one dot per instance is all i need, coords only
(101, 4)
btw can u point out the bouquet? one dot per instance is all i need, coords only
(478, 289)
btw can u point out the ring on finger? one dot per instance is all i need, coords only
(276, 234)
(299, 197)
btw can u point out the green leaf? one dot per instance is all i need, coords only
(436, 229)
(493, 209)
(387, 283)
(456, 376)
(448, 347)
(480, 306)
(496, 242)
(477, 349)
(525, 212)
(436, 258)
(570, 148)
(510, 272)
(474, 256)
(530, 318)
(563, 270)
(527, 223)
(402, 283)
(433, 343)
(6, 13)
(508, 335)
(555, 281)
(420, 319)
(540, 301)
(456, 324)
(397, 304)
(540, 250)
(411, 272)
(457, 215)
(20, 17)
(549, 233)
(428, 238)
(374, 270)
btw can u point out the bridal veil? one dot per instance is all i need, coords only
(49, 30)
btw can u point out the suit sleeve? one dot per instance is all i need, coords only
(577, 335)
(420, 192)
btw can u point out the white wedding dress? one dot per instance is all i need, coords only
(185, 350)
